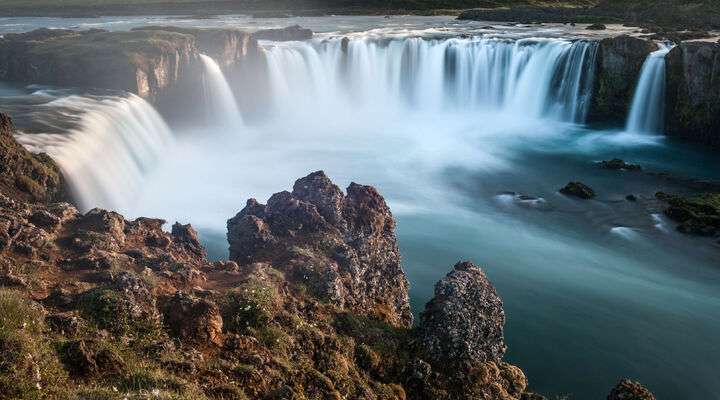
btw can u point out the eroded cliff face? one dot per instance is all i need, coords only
(693, 92)
(619, 61)
(143, 62)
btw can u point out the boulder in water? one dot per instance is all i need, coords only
(596, 27)
(697, 215)
(578, 189)
(629, 390)
(617, 164)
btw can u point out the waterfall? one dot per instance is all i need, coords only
(646, 112)
(219, 98)
(529, 77)
(115, 143)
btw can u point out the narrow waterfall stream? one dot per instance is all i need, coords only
(222, 108)
(647, 109)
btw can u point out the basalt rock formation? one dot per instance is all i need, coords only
(342, 248)
(693, 89)
(619, 61)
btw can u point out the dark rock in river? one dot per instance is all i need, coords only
(697, 215)
(617, 164)
(465, 319)
(295, 32)
(578, 189)
(693, 90)
(619, 61)
(342, 247)
(596, 27)
(629, 390)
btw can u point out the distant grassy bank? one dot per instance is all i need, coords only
(691, 13)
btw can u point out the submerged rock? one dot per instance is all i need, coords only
(578, 189)
(617, 164)
(465, 319)
(596, 27)
(629, 390)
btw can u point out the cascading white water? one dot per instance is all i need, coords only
(222, 107)
(105, 159)
(531, 77)
(646, 112)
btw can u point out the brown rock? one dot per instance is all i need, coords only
(465, 319)
(629, 390)
(193, 319)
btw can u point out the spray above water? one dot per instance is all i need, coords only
(647, 110)
(107, 156)
(222, 108)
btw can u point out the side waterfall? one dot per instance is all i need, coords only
(222, 107)
(531, 77)
(105, 158)
(646, 112)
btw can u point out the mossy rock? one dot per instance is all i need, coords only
(697, 215)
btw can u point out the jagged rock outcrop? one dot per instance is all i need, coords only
(629, 390)
(465, 319)
(692, 92)
(25, 175)
(619, 61)
(343, 247)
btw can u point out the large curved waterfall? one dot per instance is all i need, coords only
(530, 77)
(647, 110)
(222, 108)
(105, 158)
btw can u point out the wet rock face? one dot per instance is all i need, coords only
(619, 61)
(629, 390)
(696, 215)
(693, 87)
(464, 321)
(342, 247)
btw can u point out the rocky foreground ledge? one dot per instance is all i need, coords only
(313, 305)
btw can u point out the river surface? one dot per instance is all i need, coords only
(594, 290)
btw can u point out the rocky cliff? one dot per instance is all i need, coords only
(24, 175)
(693, 90)
(619, 61)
